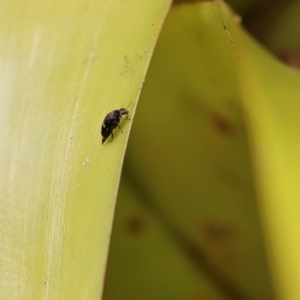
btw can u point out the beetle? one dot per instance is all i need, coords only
(111, 121)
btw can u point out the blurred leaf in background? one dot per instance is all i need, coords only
(202, 184)
(188, 165)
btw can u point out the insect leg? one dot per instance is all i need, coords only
(120, 128)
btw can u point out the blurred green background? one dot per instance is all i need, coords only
(187, 223)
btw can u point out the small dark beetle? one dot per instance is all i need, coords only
(111, 121)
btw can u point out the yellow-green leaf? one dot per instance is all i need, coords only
(63, 66)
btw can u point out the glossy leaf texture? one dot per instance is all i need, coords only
(63, 66)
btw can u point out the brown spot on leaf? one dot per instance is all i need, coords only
(291, 59)
(135, 225)
(217, 232)
(222, 241)
(222, 125)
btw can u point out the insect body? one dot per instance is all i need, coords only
(111, 121)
